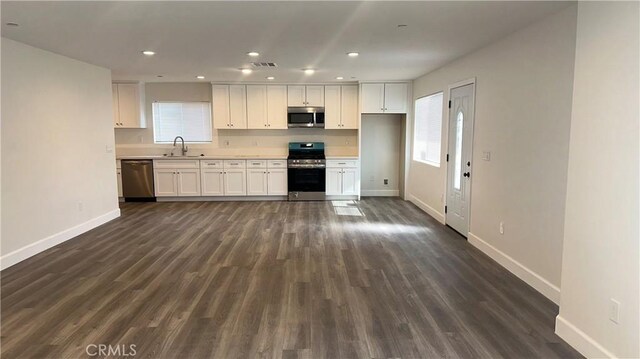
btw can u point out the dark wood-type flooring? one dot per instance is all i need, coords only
(376, 278)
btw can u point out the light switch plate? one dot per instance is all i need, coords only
(486, 156)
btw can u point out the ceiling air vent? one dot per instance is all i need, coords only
(264, 64)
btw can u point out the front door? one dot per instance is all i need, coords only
(459, 164)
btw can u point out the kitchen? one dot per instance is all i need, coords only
(243, 154)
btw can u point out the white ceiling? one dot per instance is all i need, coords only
(212, 38)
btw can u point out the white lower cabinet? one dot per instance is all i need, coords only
(235, 182)
(277, 182)
(176, 178)
(257, 182)
(342, 178)
(212, 182)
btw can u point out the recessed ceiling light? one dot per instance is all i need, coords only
(253, 54)
(309, 71)
(148, 52)
(353, 54)
(200, 77)
(246, 71)
(160, 76)
(12, 24)
(339, 78)
(403, 25)
(270, 78)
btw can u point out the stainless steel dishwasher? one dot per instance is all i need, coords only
(137, 180)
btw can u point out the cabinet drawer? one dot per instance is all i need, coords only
(256, 164)
(176, 164)
(235, 164)
(277, 164)
(342, 163)
(211, 164)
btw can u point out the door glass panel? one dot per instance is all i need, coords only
(457, 170)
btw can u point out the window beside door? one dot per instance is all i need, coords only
(191, 120)
(427, 134)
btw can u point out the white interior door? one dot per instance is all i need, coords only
(459, 165)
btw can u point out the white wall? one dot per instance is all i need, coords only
(601, 238)
(56, 124)
(140, 141)
(522, 116)
(381, 154)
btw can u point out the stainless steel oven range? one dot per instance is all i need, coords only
(306, 171)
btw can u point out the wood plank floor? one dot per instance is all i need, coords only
(376, 278)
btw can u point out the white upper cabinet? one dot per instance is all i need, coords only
(296, 96)
(128, 105)
(277, 107)
(349, 107)
(257, 107)
(315, 96)
(220, 103)
(372, 98)
(395, 98)
(300, 96)
(237, 107)
(332, 115)
(341, 107)
(384, 98)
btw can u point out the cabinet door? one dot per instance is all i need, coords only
(165, 182)
(349, 181)
(116, 113)
(277, 182)
(334, 181)
(119, 176)
(188, 182)
(220, 103)
(332, 107)
(257, 182)
(212, 182)
(235, 182)
(372, 98)
(315, 96)
(237, 107)
(129, 105)
(395, 98)
(349, 107)
(257, 107)
(296, 96)
(277, 107)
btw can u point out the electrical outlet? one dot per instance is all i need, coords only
(614, 311)
(346, 142)
(108, 148)
(386, 181)
(141, 139)
(227, 143)
(501, 227)
(486, 156)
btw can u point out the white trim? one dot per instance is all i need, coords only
(580, 341)
(428, 209)
(533, 279)
(42, 245)
(222, 198)
(380, 192)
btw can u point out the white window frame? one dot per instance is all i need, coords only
(153, 118)
(414, 155)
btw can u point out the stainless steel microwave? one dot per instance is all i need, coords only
(305, 117)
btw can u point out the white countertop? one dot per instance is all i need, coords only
(222, 157)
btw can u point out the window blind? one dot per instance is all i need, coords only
(191, 120)
(427, 134)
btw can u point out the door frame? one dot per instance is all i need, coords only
(469, 81)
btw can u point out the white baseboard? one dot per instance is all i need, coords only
(222, 199)
(32, 249)
(425, 207)
(579, 340)
(380, 192)
(527, 275)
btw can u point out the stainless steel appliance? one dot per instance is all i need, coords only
(306, 171)
(305, 117)
(137, 180)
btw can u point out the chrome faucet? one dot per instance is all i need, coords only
(184, 148)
